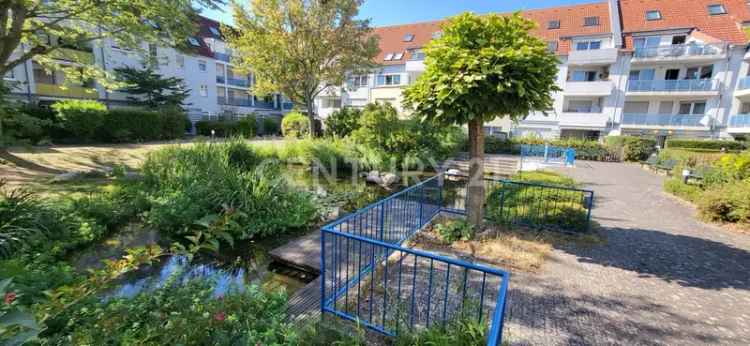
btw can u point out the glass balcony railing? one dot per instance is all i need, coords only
(679, 50)
(234, 102)
(69, 91)
(744, 84)
(681, 85)
(238, 82)
(739, 120)
(288, 105)
(222, 56)
(664, 120)
(220, 79)
(85, 57)
(264, 104)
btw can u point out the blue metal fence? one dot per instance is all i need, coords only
(369, 277)
(549, 154)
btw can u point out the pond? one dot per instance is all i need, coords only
(248, 262)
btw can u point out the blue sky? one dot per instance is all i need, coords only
(392, 12)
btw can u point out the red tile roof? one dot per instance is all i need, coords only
(571, 24)
(687, 14)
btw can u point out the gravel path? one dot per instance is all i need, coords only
(662, 278)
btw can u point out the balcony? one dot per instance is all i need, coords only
(583, 121)
(73, 55)
(606, 56)
(220, 80)
(743, 88)
(688, 52)
(244, 83)
(707, 87)
(56, 90)
(697, 121)
(287, 105)
(223, 57)
(594, 88)
(739, 123)
(264, 105)
(234, 102)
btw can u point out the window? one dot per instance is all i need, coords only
(214, 31)
(202, 65)
(398, 56)
(357, 82)
(679, 39)
(553, 24)
(646, 42)
(703, 72)
(194, 41)
(716, 9)
(180, 60)
(635, 107)
(583, 76)
(745, 108)
(591, 21)
(653, 15)
(417, 54)
(647, 74)
(672, 74)
(388, 57)
(204, 90)
(330, 102)
(588, 45)
(552, 46)
(692, 107)
(665, 107)
(408, 37)
(389, 79)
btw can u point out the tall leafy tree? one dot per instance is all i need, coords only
(481, 68)
(154, 89)
(300, 47)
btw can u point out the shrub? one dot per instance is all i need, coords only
(247, 126)
(295, 124)
(188, 314)
(687, 192)
(632, 148)
(244, 127)
(704, 144)
(186, 184)
(270, 126)
(19, 127)
(727, 203)
(82, 118)
(454, 230)
(462, 330)
(343, 122)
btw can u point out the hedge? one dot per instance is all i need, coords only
(632, 148)
(245, 127)
(704, 144)
(128, 125)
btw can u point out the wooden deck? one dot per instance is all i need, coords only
(494, 164)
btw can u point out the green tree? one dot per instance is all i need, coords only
(300, 47)
(155, 90)
(481, 68)
(343, 122)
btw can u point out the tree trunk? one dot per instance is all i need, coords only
(475, 200)
(311, 117)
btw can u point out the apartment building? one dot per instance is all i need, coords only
(204, 64)
(637, 67)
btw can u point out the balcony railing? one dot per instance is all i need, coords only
(73, 55)
(220, 79)
(664, 120)
(599, 87)
(679, 50)
(69, 91)
(744, 84)
(264, 105)
(288, 105)
(222, 56)
(234, 102)
(238, 82)
(681, 85)
(740, 120)
(604, 56)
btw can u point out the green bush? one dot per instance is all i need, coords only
(295, 124)
(179, 314)
(20, 127)
(704, 144)
(462, 330)
(687, 192)
(454, 230)
(245, 127)
(186, 184)
(632, 148)
(343, 122)
(270, 126)
(82, 118)
(727, 203)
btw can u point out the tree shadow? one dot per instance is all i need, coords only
(684, 260)
(26, 164)
(538, 314)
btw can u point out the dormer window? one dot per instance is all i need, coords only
(591, 21)
(552, 46)
(398, 56)
(408, 37)
(214, 31)
(653, 15)
(194, 41)
(553, 24)
(716, 9)
(388, 57)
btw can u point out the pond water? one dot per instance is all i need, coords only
(248, 262)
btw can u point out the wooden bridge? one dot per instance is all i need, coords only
(494, 164)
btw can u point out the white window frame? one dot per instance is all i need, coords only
(654, 12)
(202, 66)
(203, 90)
(193, 41)
(720, 7)
(388, 80)
(587, 45)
